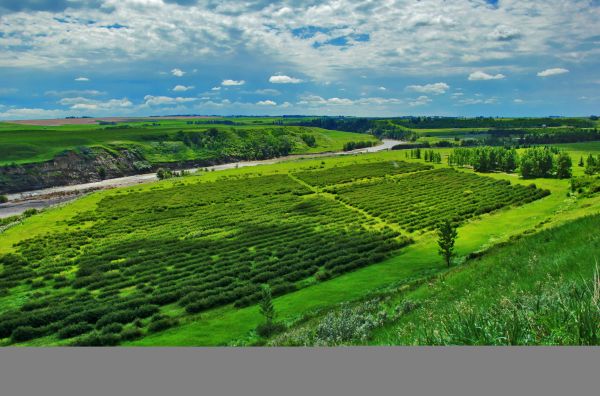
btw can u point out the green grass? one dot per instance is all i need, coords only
(229, 325)
(532, 291)
(26, 144)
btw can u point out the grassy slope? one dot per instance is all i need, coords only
(25, 144)
(566, 253)
(227, 325)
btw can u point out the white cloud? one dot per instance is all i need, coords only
(420, 101)
(382, 88)
(182, 88)
(479, 100)
(436, 88)
(30, 113)
(151, 100)
(518, 101)
(230, 83)
(82, 79)
(282, 79)
(75, 92)
(552, 72)
(81, 103)
(177, 72)
(215, 89)
(266, 103)
(483, 76)
(267, 91)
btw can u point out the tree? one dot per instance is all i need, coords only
(581, 164)
(563, 166)
(266, 305)
(3, 199)
(446, 238)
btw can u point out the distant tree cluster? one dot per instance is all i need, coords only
(533, 162)
(309, 140)
(349, 146)
(485, 159)
(432, 156)
(592, 165)
(163, 174)
(545, 162)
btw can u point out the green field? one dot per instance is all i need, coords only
(164, 141)
(179, 262)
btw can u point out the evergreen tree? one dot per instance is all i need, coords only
(446, 237)
(581, 164)
(563, 166)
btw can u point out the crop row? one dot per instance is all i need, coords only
(348, 173)
(420, 201)
(200, 246)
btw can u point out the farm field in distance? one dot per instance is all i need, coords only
(348, 239)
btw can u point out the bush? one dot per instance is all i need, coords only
(74, 330)
(266, 330)
(98, 339)
(162, 324)
(26, 333)
(112, 328)
(3, 199)
(131, 334)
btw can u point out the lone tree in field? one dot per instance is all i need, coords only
(266, 306)
(446, 237)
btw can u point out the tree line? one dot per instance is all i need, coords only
(533, 162)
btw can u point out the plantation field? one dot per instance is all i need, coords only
(178, 261)
(420, 201)
(169, 140)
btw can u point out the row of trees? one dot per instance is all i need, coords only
(485, 159)
(357, 145)
(533, 162)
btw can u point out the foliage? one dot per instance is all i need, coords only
(348, 173)
(537, 162)
(201, 246)
(3, 199)
(446, 238)
(485, 159)
(357, 145)
(344, 326)
(420, 201)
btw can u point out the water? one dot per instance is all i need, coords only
(39, 199)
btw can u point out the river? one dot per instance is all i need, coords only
(40, 199)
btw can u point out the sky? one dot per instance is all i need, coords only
(98, 58)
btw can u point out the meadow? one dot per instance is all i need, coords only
(164, 141)
(181, 261)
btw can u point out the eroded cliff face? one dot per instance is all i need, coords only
(73, 167)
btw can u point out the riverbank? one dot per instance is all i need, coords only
(43, 198)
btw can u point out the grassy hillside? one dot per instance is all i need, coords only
(165, 140)
(126, 247)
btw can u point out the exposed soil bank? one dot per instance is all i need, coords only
(40, 198)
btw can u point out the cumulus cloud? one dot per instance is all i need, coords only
(282, 79)
(152, 100)
(552, 72)
(30, 113)
(182, 88)
(82, 79)
(483, 76)
(232, 83)
(266, 103)
(177, 72)
(420, 101)
(81, 103)
(215, 89)
(436, 88)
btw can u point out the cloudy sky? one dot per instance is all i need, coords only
(370, 58)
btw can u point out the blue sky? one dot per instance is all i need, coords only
(369, 58)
